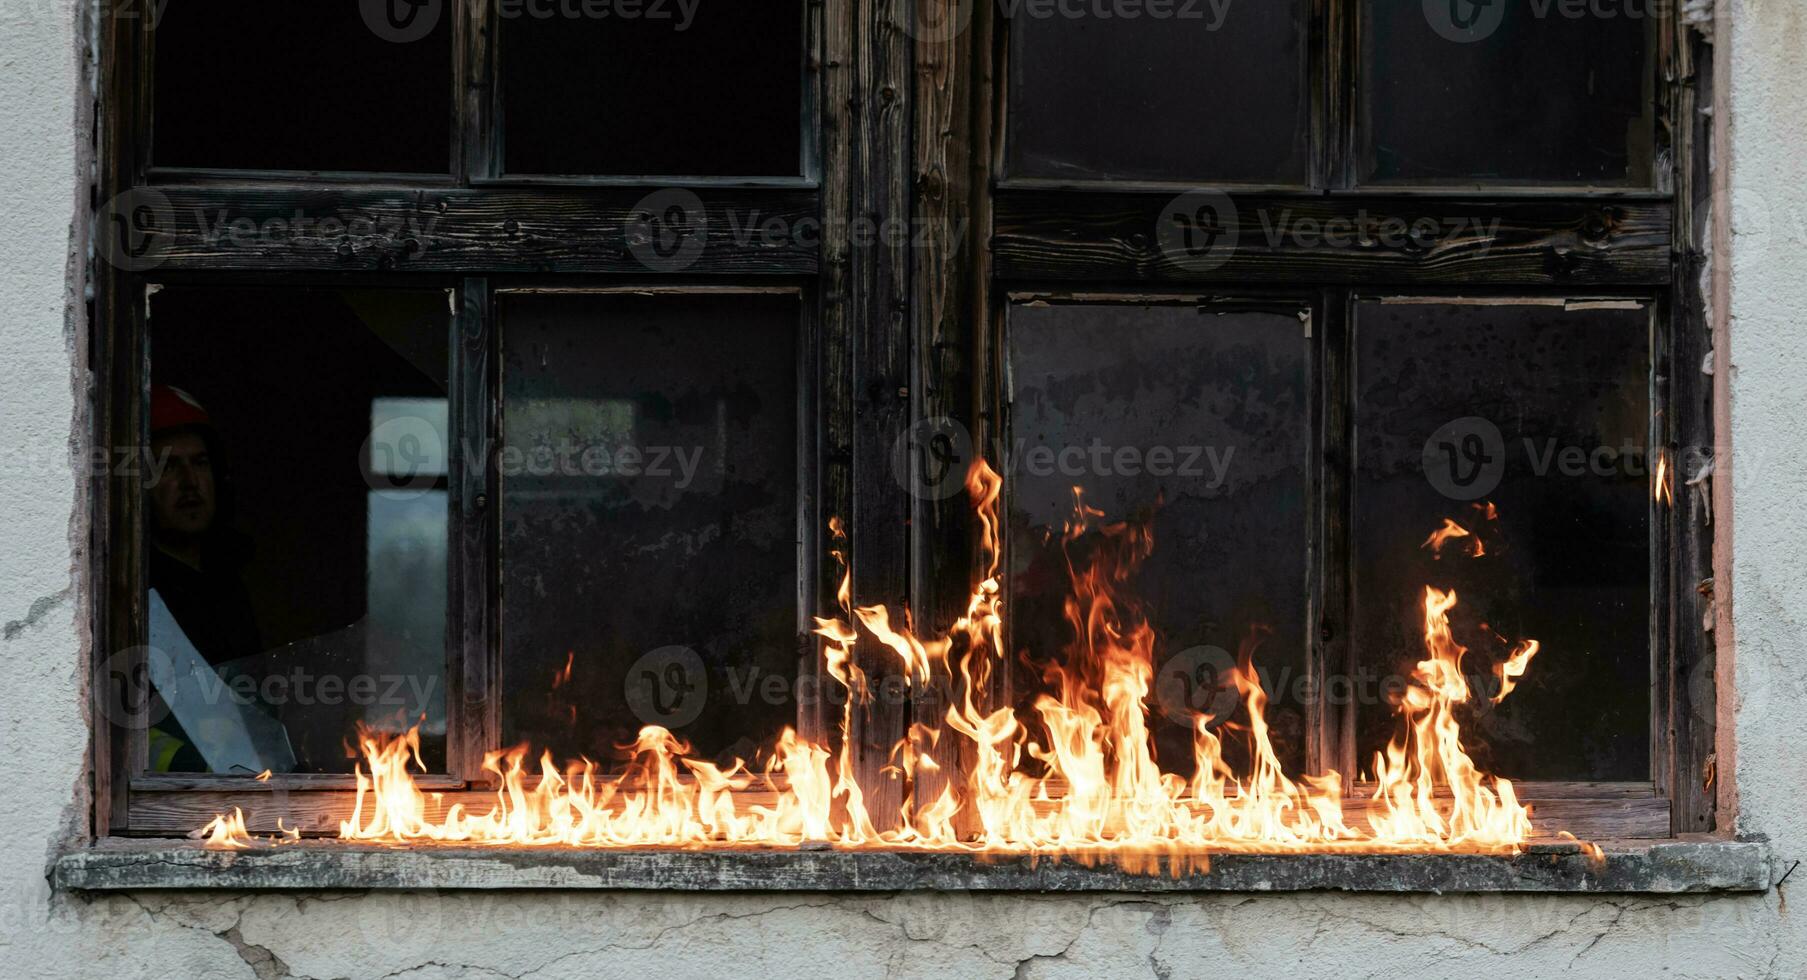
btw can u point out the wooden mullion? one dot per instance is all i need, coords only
(1326, 61)
(952, 162)
(1330, 728)
(1343, 30)
(989, 304)
(138, 66)
(836, 366)
(824, 429)
(472, 667)
(879, 324)
(476, 129)
(816, 572)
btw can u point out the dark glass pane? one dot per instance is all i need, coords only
(302, 85)
(649, 520)
(1195, 421)
(1519, 97)
(709, 88)
(1543, 412)
(1209, 92)
(306, 552)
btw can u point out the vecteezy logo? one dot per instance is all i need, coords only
(1465, 458)
(933, 20)
(411, 923)
(1464, 21)
(403, 457)
(1198, 230)
(123, 691)
(930, 459)
(667, 687)
(401, 21)
(132, 231)
(667, 230)
(1197, 681)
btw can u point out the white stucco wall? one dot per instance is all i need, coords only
(43, 729)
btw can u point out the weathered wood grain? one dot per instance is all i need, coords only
(744, 231)
(1044, 235)
(1687, 695)
(878, 309)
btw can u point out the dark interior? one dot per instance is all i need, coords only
(346, 572)
(298, 85)
(649, 520)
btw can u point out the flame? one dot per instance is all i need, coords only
(1663, 492)
(1074, 775)
(225, 832)
(1452, 531)
(1426, 755)
(1513, 667)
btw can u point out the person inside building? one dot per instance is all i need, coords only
(196, 556)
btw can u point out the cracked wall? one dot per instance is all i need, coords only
(44, 93)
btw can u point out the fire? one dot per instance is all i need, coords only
(1513, 667)
(1451, 531)
(1077, 775)
(225, 832)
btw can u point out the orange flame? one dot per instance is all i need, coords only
(225, 832)
(1077, 775)
(1452, 531)
(1513, 667)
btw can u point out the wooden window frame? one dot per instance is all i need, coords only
(1070, 238)
(901, 126)
(493, 234)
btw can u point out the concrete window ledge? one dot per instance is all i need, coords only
(1663, 867)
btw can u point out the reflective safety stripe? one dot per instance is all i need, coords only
(164, 747)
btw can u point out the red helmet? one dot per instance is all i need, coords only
(173, 408)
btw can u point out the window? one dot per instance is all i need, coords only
(1553, 398)
(1228, 504)
(535, 354)
(356, 102)
(653, 105)
(652, 441)
(1084, 92)
(1581, 110)
(328, 403)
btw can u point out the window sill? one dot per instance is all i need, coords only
(1655, 867)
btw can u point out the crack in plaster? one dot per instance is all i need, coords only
(40, 608)
(267, 965)
(1157, 909)
(659, 936)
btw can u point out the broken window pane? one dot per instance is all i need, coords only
(1206, 91)
(1195, 424)
(649, 520)
(1528, 425)
(707, 88)
(302, 85)
(297, 522)
(1474, 93)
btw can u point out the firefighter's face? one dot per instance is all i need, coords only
(183, 496)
